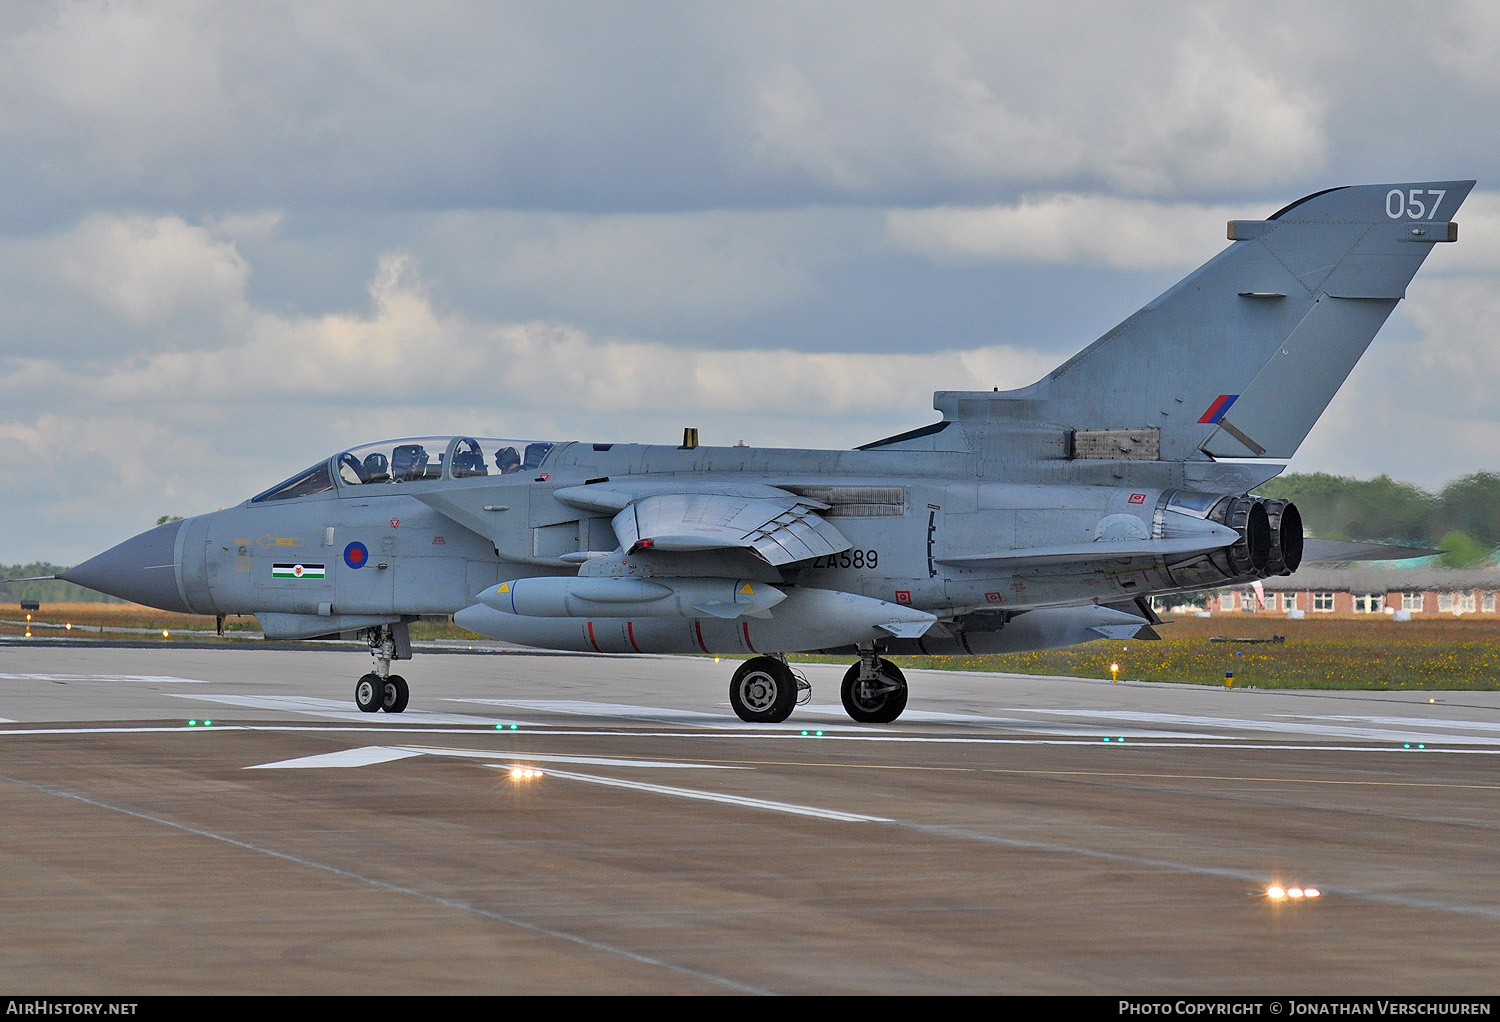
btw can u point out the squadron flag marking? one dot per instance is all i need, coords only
(297, 571)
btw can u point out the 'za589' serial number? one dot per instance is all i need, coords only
(849, 559)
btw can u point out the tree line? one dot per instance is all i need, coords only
(1462, 519)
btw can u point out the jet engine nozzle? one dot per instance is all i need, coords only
(1269, 538)
(1251, 553)
(1286, 537)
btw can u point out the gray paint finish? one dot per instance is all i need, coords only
(993, 529)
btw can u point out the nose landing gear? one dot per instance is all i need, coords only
(380, 689)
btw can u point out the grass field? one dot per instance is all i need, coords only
(1371, 652)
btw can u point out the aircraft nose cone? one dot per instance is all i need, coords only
(143, 569)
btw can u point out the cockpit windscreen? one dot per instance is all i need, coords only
(463, 457)
(413, 459)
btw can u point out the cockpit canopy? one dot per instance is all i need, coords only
(414, 458)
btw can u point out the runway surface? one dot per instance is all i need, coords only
(1007, 835)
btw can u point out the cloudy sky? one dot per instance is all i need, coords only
(236, 237)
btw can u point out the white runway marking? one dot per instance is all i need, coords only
(369, 755)
(1008, 723)
(849, 734)
(531, 757)
(625, 711)
(1399, 731)
(726, 721)
(713, 796)
(338, 709)
(103, 677)
(1455, 725)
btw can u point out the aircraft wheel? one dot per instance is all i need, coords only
(396, 694)
(763, 691)
(369, 693)
(877, 701)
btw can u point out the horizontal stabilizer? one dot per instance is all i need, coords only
(1325, 550)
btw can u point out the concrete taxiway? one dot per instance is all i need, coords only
(1007, 835)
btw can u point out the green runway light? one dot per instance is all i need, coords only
(192, 723)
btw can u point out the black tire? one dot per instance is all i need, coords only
(763, 691)
(876, 702)
(396, 694)
(369, 693)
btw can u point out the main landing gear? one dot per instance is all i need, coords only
(764, 690)
(874, 690)
(380, 689)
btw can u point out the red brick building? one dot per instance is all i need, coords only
(1351, 590)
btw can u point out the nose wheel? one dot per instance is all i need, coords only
(369, 693)
(380, 689)
(391, 695)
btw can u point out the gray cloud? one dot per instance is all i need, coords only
(235, 238)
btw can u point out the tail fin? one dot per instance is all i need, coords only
(1240, 359)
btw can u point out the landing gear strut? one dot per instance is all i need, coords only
(874, 690)
(380, 689)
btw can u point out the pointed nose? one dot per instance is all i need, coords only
(143, 569)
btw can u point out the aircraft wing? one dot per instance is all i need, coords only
(780, 530)
(775, 524)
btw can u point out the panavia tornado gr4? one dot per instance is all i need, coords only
(1024, 519)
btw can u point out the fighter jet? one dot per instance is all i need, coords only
(1022, 520)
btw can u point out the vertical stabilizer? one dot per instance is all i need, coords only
(1240, 358)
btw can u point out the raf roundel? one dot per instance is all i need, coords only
(356, 554)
